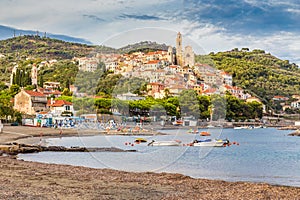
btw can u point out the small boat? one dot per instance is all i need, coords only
(140, 140)
(165, 143)
(210, 143)
(240, 127)
(204, 133)
(195, 131)
(178, 123)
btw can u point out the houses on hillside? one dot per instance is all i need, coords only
(32, 102)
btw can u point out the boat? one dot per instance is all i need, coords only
(210, 143)
(195, 131)
(140, 140)
(240, 127)
(165, 143)
(204, 133)
(177, 123)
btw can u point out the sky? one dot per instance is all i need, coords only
(206, 25)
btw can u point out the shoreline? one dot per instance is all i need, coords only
(40, 180)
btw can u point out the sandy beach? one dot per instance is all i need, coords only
(30, 180)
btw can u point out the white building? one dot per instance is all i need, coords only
(295, 104)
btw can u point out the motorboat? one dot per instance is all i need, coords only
(140, 140)
(195, 131)
(210, 143)
(204, 133)
(165, 143)
(241, 127)
(177, 123)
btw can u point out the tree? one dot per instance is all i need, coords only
(189, 104)
(67, 92)
(14, 89)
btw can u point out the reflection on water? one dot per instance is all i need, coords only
(264, 155)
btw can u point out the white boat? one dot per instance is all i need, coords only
(241, 127)
(165, 143)
(210, 143)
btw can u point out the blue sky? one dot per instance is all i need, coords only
(207, 25)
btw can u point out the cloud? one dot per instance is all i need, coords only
(139, 17)
(94, 17)
(243, 16)
(272, 25)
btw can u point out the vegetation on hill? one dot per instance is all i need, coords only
(30, 49)
(145, 46)
(44, 48)
(257, 72)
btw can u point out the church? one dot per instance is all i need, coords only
(183, 57)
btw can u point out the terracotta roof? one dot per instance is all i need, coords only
(210, 90)
(156, 83)
(34, 93)
(153, 62)
(228, 87)
(58, 103)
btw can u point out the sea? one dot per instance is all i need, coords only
(263, 155)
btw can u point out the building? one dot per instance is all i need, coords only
(179, 60)
(30, 102)
(154, 88)
(51, 85)
(49, 92)
(129, 96)
(295, 104)
(280, 98)
(34, 75)
(227, 78)
(189, 56)
(170, 55)
(58, 107)
(88, 64)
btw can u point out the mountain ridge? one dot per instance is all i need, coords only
(7, 32)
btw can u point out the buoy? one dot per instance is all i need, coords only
(238, 144)
(233, 142)
(125, 143)
(132, 145)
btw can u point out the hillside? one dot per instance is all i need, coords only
(17, 49)
(7, 32)
(144, 46)
(45, 48)
(259, 73)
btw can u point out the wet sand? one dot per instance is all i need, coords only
(30, 180)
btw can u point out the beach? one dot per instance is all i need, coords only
(31, 180)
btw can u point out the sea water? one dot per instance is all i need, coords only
(263, 155)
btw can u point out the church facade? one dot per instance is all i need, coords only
(183, 57)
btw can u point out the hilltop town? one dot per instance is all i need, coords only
(41, 86)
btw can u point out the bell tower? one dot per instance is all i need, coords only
(179, 49)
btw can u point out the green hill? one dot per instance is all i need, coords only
(145, 46)
(259, 73)
(17, 50)
(45, 48)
